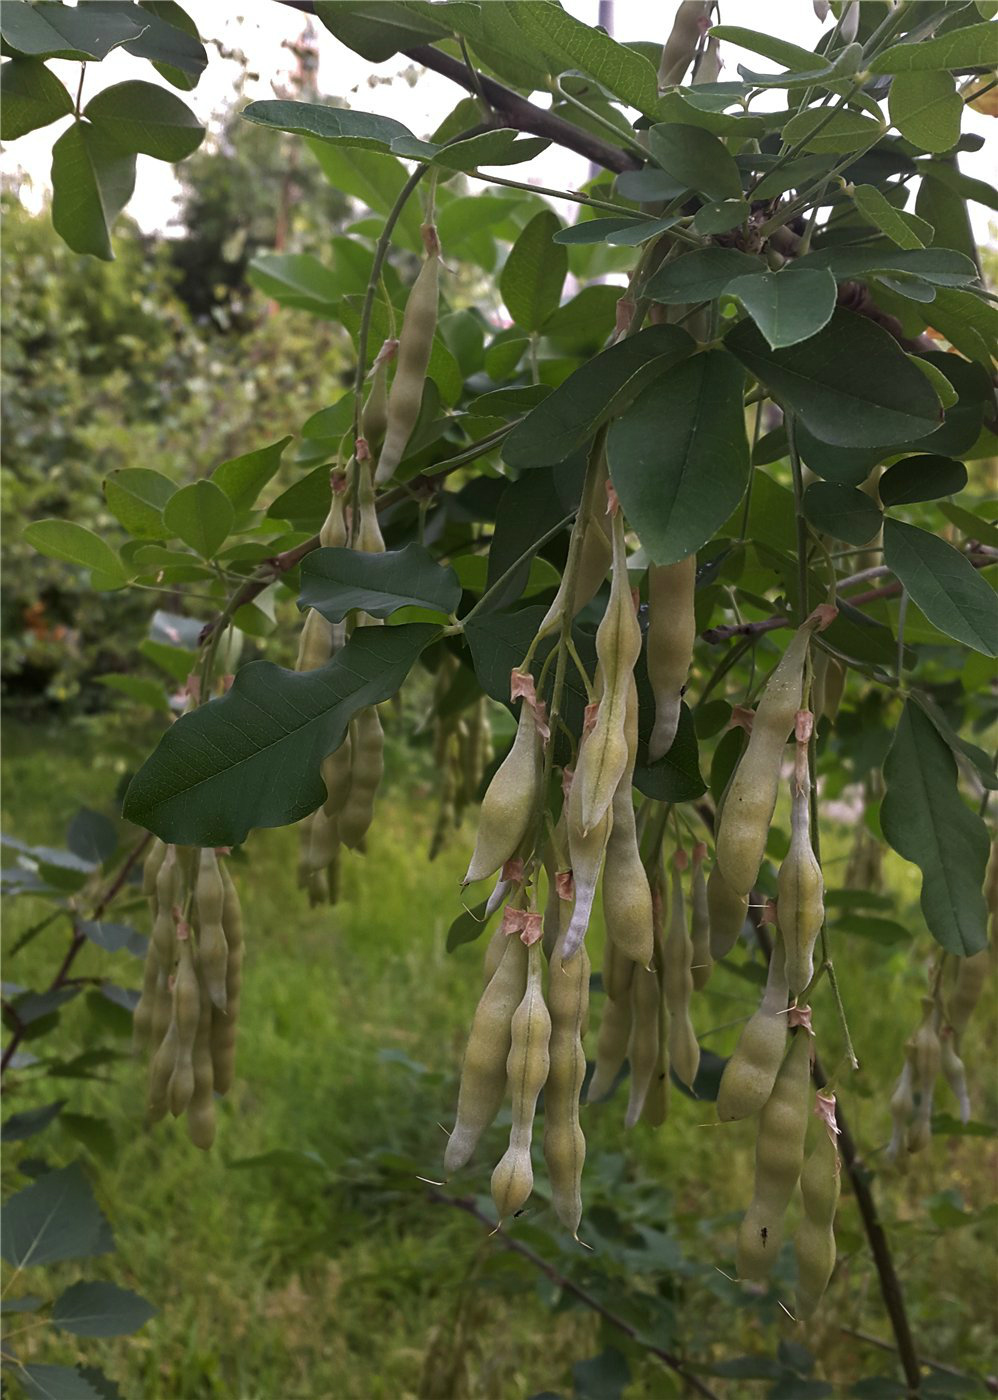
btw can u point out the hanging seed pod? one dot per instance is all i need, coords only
(627, 911)
(374, 418)
(779, 1158)
(968, 984)
(142, 1017)
(564, 1141)
(603, 757)
(677, 984)
(680, 48)
(726, 913)
(814, 1244)
(595, 554)
(224, 1023)
(367, 770)
(800, 887)
(526, 1071)
(902, 1106)
(510, 801)
(201, 1109)
(419, 326)
(213, 952)
(586, 851)
(483, 1076)
(702, 964)
(751, 796)
(315, 645)
(611, 1047)
(708, 69)
(186, 1014)
(750, 1074)
(671, 635)
(643, 1047)
(656, 1108)
(924, 1054)
(618, 971)
(954, 1072)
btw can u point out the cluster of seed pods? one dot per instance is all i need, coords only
(188, 1011)
(462, 751)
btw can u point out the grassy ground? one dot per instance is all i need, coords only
(306, 1278)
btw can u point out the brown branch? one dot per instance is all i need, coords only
(667, 1358)
(990, 1383)
(76, 943)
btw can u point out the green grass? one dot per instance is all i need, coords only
(345, 1279)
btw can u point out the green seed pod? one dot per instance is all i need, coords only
(971, 975)
(151, 867)
(618, 970)
(954, 1073)
(604, 754)
(368, 766)
(368, 538)
(643, 1046)
(814, 1244)
(671, 635)
(586, 852)
(419, 326)
(564, 1141)
(800, 907)
(680, 48)
(750, 1074)
(595, 554)
(213, 951)
(224, 1023)
(483, 1076)
(656, 1109)
(142, 1016)
(168, 895)
(702, 964)
(526, 1070)
(494, 950)
(726, 912)
(627, 909)
(336, 773)
(510, 801)
(333, 533)
(160, 1075)
(201, 1109)
(751, 796)
(677, 985)
(611, 1047)
(708, 70)
(315, 646)
(374, 418)
(186, 1014)
(779, 1157)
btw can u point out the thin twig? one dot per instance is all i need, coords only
(990, 1383)
(509, 1242)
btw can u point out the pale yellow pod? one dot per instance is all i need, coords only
(677, 988)
(726, 913)
(168, 896)
(315, 645)
(750, 800)
(564, 1141)
(160, 1074)
(814, 1244)
(494, 950)
(224, 1023)
(374, 417)
(483, 1075)
(186, 1015)
(586, 851)
(779, 1157)
(604, 755)
(955, 1073)
(336, 770)
(750, 1074)
(902, 1106)
(968, 984)
(595, 554)
(618, 970)
(324, 838)
(213, 951)
(162, 1010)
(526, 1070)
(510, 801)
(702, 964)
(142, 1016)
(611, 1047)
(367, 770)
(333, 533)
(671, 636)
(924, 1054)
(626, 895)
(419, 325)
(643, 1046)
(800, 907)
(680, 48)
(368, 538)
(151, 868)
(656, 1109)
(201, 1109)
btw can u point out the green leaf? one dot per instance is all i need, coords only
(697, 159)
(504, 146)
(788, 307)
(336, 581)
(92, 181)
(75, 544)
(968, 322)
(92, 836)
(945, 390)
(146, 119)
(243, 478)
(927, 109)
(201, 515)
(851, 384)
(985, 764)
(532, 278)
(846, 131)
(973, 526)
(679, 457)
(648, 185)
(114, 938)
(510, 403)
(306, 503)
(33, 1120)
(56, 1383)
(32, 97)
(688, 106)
(721, 216)
(374, 177)
(338, 124)
(974, 46)
(676, 777)
(569, 417)
(597, 230)
(136, 496)
(941, 266)
(298, 280)
(95, 1134)
(584, 323)
(138, 688)
(921, 479)
(893, 223)
(100, 1310)
(944, 584)
(570, 43)
(701, 275)
(779, 50)
(927, 822)
(28, 1302)
(252, 757)
(170, 41)
(55, 1218)
(469, 925)
(842, 512)
(377, 30)
(51, 30)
